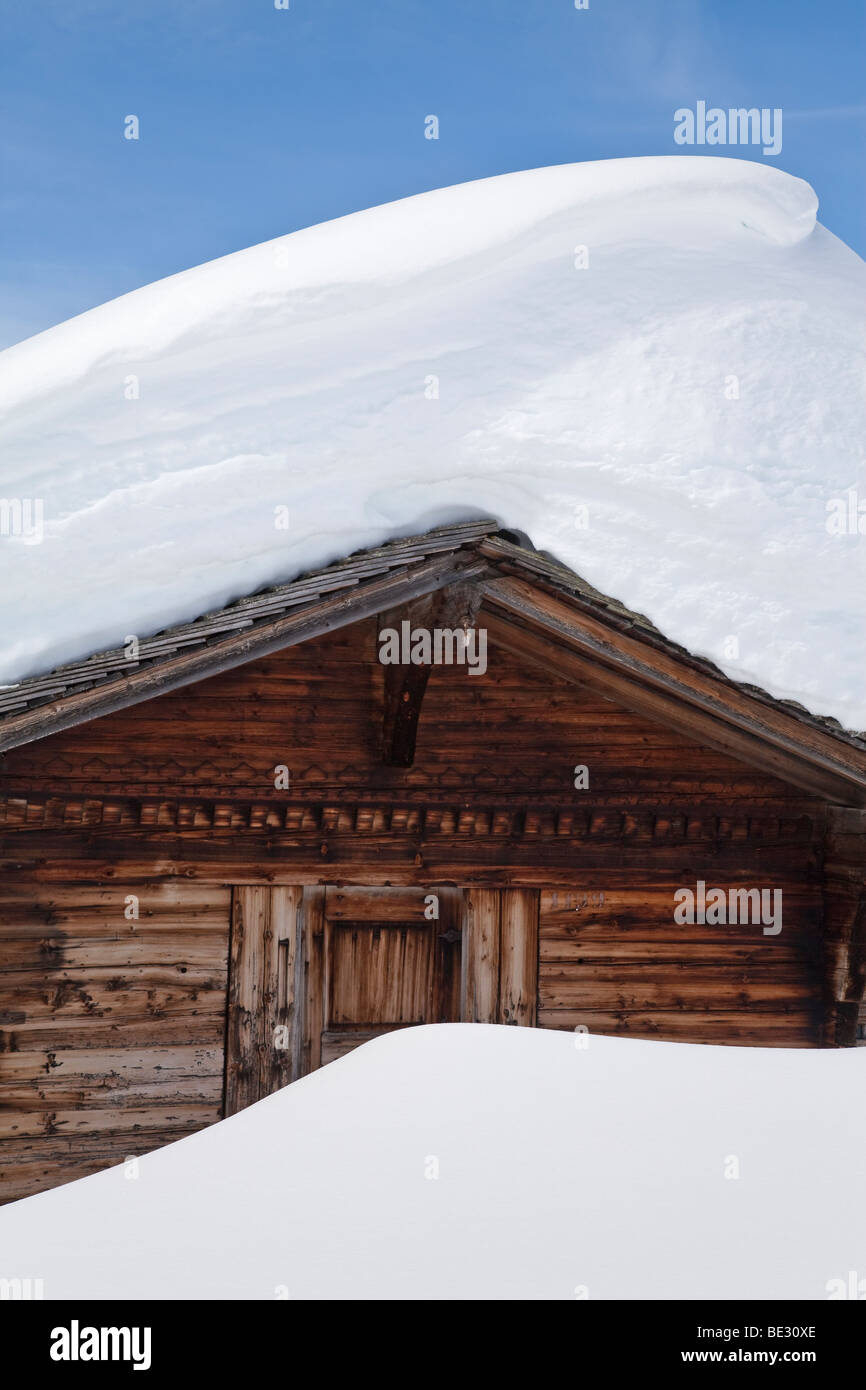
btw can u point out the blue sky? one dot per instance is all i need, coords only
(257, 121)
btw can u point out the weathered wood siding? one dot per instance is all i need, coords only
(384, 964)
(261, 993)
(318, 709)
(111, 1029)
(613, 960)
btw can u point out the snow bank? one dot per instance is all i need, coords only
(464, 1161)
(672, 418)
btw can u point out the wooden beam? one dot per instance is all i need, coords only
(448, 955)
(480, 963)
(264, 638)
(226, 857)
(518, 967)
(404, 687)
(310, 981)
(260, 995)
(405, 684)
(404, 693)
(544, 631)
(844, 924)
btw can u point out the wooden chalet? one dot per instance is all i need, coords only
(233, 853)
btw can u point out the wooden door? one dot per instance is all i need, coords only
(390, 958)
(500, 956)
(316, 971)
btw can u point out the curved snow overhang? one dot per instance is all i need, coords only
(532, 606)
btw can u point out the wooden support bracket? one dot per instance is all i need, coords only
(406, 683)
(844, 924)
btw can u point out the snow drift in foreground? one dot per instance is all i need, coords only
(671, 419)
(560, 1169)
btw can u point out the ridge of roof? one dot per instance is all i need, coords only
(505, 546)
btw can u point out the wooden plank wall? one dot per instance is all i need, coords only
(318, 709)
(111, 1027)
(613, 960)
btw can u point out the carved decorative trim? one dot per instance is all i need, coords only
(351, 817)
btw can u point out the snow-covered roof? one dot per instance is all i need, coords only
(105, 671)
(653, 366)
(588, 637)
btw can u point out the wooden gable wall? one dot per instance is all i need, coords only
(317, 707)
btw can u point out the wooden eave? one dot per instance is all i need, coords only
(158, 673)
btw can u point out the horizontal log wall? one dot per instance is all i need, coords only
(613, 960)
(112, 1031)
(318, 709)
(111, 1027)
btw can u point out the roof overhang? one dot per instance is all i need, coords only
(532, 606)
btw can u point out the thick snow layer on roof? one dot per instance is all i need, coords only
(465, 1161)
(655, 367)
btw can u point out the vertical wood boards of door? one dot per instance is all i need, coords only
(371, 960)
(481, 943)
(261, 994)
(310, 981)
(518, 956)
(316, 971)
(500, 956)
